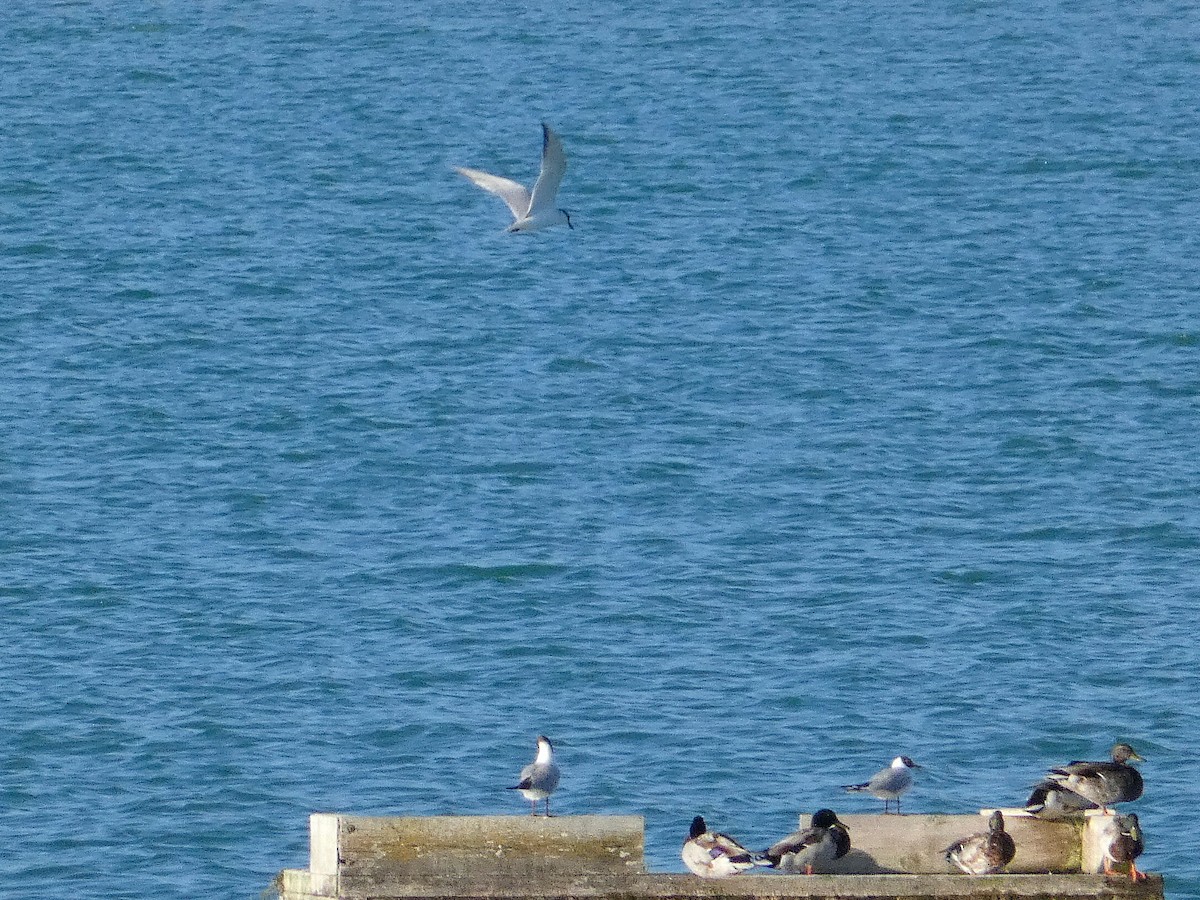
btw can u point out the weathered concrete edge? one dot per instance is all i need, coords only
(469, 846)
(298, 884)
(417, 847)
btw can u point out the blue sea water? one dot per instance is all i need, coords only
(857, 416)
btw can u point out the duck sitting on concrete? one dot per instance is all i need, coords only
(811, 849)
(711, 854)
(1049, 800)
(985, 853)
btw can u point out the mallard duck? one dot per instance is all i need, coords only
(540, 777)
(1052, 801)
(985, 853)
(711, 854)
(888, 784)
(1124, 846)
(812, 848)
(1103, 783)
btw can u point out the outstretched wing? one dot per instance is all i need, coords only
(515, 195)
(554, 166)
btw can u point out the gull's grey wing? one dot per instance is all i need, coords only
(515, 195)
(554, 166)
(890, 780)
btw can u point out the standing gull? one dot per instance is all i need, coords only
(812, 848)
(711, 854)
(540, 777)
(531, 211)
(888, 784)
(1103, 783)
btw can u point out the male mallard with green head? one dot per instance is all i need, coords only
(1124, 845)
(812, 848)
(711, 854)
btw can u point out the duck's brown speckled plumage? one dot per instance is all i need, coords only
(985, 853)
(1103, 783)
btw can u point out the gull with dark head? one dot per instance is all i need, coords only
(531, 211)
(888, 784)
(540, 777)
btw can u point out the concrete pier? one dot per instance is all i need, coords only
(595, 857)
(915, 845)
(464, 846)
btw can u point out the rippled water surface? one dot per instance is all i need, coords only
(858, 415)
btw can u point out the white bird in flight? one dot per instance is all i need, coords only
(531, 210)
